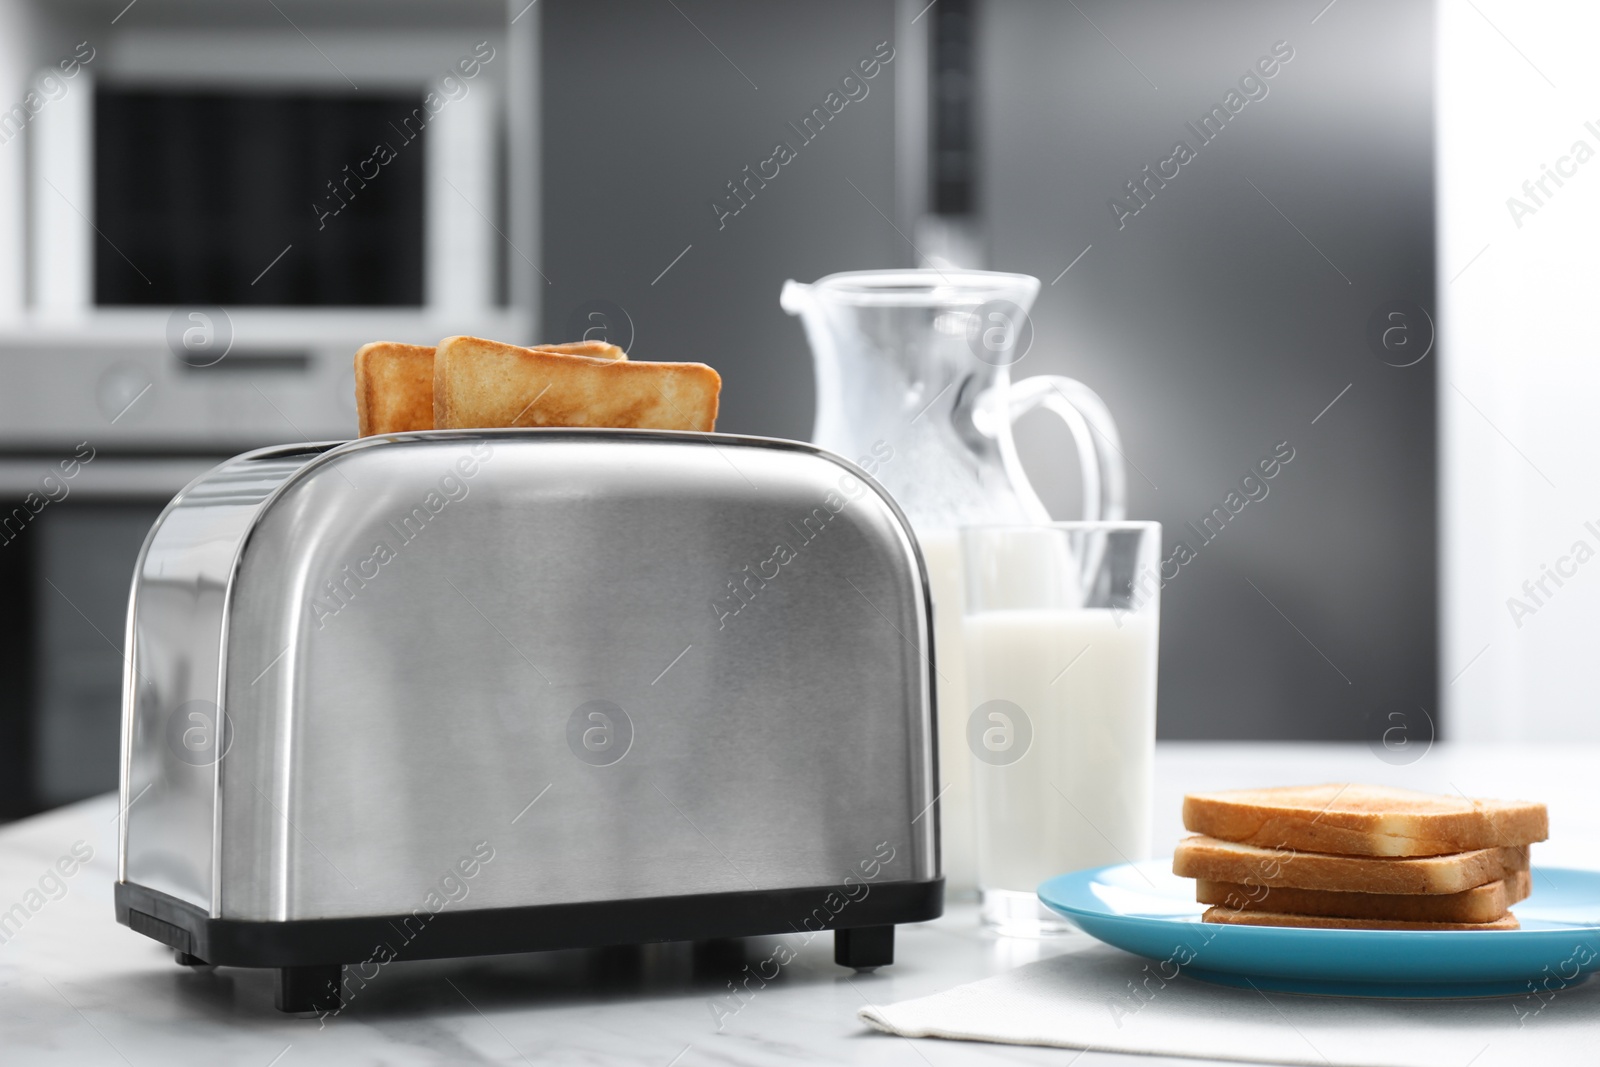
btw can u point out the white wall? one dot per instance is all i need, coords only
(1519, 381)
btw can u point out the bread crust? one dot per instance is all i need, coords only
(597, 349)
(1481, 904)
(1363, 820)
(1322, 922)
(1228, 861)
(480, 384)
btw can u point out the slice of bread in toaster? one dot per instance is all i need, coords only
(480, 384)
(1226, 861)
(1482, 904)
(1363, 820)
(394, 382)
(1507, 921)
(394, 388)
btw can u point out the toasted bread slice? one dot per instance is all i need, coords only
(480, 384)
(1230, 917)
(1363, 820)
(1227, 861)
(394, 388)
(597, 349)
(1482, 904)
(394, 382)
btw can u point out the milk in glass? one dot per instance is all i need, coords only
(1063, 781)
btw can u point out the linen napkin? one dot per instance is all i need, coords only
(1104, 999)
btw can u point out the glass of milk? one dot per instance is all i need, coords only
(1059, 630)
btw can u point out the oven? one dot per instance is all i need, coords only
(212, 216)
(94, 441)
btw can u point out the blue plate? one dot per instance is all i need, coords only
(1147, 910)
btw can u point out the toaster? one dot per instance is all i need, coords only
(447, 694)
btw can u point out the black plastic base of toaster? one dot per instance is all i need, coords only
(540, 927)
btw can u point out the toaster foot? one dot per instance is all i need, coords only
(311, 988)
(187, 959)
(864, 947)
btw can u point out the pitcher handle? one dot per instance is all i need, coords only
(1094, 434)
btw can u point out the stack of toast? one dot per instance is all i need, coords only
(1358, 857)
(472, 383)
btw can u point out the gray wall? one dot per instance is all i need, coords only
(1213, 327)
(1215, 330)
(644, 124)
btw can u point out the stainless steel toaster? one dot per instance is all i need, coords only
(447, 694)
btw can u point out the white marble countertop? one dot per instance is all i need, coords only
(76, 988)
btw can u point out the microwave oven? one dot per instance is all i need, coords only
(226, 191)
(217, 218)
(250, 195)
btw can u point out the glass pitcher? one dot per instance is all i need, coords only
(913, 368)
